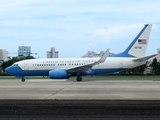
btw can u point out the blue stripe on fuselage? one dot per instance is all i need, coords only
(104, 71)
(17, 71)
(100, 71)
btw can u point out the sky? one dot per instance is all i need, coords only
(74, 27)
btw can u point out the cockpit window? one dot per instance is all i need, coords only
(15, 64)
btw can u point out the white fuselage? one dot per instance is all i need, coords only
(67, 63)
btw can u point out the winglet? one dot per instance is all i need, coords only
(87, 67)
(103, 58)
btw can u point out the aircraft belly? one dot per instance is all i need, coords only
(104, 71)
(36, 73)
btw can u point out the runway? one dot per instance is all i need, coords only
(86, 90)
(69, 100)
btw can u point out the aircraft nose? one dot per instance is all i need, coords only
(14, 70)
(9, 70)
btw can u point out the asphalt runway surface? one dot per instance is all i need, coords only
(70, 100)
(79, 109)
(85, 90)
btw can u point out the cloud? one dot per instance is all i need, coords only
(73, 25)
(117, 32)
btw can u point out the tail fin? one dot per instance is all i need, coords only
(139, 45)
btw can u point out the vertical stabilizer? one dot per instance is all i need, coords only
(139, 45)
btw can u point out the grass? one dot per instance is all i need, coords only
(107, 77)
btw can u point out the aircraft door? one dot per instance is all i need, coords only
(26, 66)
(120, 63)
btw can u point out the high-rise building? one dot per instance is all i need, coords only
(24, 51)
(3, 56)
(52, 53)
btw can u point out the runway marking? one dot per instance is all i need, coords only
(59, 91)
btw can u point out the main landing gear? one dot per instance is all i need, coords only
(79, 79)
(23, 80)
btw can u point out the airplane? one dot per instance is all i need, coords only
(64, 68)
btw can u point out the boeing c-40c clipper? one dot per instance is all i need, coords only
(63, 68)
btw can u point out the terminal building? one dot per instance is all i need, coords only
(158, 55)
(3, 56)
(52, 53)
(24, 51)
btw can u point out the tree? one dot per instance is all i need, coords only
(154, 66)
(158, 68)
(142, 68)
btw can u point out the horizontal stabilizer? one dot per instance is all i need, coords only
(144, 58)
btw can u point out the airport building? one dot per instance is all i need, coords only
(3, 56)
(24, 51)
(52, 53)
(158, 55)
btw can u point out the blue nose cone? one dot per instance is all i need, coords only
(14, 70)
(9, 70)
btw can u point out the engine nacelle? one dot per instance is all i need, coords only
(58, 74)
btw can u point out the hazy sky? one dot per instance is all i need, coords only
(74, 27)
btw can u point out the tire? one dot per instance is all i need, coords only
(79, 79)
(23, 80)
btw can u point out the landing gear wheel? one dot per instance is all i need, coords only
(79, 79)
(23, 80)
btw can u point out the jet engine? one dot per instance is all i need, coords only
(58, 74)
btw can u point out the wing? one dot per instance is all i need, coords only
(144, 58)
(84, 68)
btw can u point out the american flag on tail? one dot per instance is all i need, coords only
(142, 41)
